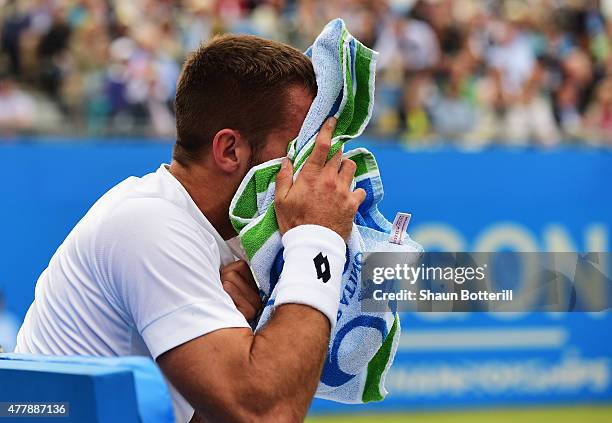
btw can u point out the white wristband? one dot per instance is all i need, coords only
(312, 273)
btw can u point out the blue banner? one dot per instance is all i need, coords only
(460, 360)
(493, 200)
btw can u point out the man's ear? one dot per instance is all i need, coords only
(230, 151)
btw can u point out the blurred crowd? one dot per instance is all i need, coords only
(467, 72)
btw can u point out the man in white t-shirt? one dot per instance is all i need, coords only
(148, 270)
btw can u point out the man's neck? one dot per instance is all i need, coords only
(211, 198)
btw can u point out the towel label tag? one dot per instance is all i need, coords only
(400, 225)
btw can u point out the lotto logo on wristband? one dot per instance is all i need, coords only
(322, 266)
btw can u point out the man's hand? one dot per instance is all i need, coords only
(321, 194)
(239, 283)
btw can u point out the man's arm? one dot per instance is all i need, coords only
(233, 375)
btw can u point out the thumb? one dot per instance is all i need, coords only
(284, 179)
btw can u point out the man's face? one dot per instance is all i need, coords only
(277, 142)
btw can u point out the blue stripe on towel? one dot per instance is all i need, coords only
(332, 374)
(353, 53)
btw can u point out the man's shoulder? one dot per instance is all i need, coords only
(146, 232)
(146, 203)
(149, 216)
(142, 214)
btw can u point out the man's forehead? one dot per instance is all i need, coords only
(300, 100)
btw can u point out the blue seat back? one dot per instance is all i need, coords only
(97, 389)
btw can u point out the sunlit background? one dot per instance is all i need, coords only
(492, 126)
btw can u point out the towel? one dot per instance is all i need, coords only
(362, 345)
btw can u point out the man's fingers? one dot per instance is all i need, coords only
(251, 295)
(318, 156)
(284, 179)
(358, 196)
(246, 308)
(242, 267)
(239, 281)
(244, 286)
(245, 293)
(334, 163)
(347, 171)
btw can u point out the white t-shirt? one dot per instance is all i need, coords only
(138, 275)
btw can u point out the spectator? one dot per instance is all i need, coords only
(16, 108)
(598, 120)
(529, 113)
(511, 58)
(13, 26)
(52, 58)
(569, 117)
(408, 43)
(413, 110)
(453, 112)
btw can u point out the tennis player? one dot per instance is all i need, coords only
(152, 268)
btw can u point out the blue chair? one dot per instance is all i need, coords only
(96, 389)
